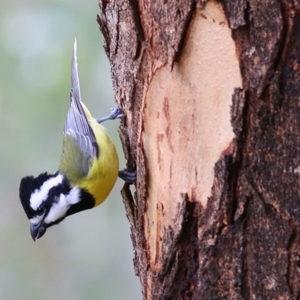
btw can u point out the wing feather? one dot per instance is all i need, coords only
(78, 129)
(77, 119)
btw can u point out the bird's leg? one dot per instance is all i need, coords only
(127, 176)
(115, 113)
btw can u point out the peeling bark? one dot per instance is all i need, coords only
(211, 92)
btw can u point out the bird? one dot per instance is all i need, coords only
(87, 172)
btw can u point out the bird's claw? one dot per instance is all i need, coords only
(114, 113)
(127, 176)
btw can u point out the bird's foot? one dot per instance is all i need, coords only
(127, 176)
(114, 113)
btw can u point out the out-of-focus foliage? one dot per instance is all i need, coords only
(89, 255)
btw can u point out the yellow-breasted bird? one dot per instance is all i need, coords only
(87, 172)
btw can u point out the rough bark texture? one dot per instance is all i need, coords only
(211, 94)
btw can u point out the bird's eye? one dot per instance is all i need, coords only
(40, 211)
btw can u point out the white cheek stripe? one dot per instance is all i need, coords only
(39, 195)
(59, 209)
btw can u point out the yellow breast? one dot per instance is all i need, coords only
(104, 169)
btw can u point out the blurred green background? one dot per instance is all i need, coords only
(89, 255)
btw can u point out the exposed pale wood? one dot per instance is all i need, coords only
(186, 124)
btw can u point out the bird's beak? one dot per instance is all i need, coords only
(37, 230)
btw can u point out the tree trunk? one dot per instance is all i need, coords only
(211, 94)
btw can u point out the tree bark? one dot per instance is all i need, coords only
(210, 91)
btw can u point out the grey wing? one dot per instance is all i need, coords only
(77, 124)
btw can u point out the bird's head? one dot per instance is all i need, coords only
(48, 199)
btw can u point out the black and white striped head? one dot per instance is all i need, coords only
(48, 199)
